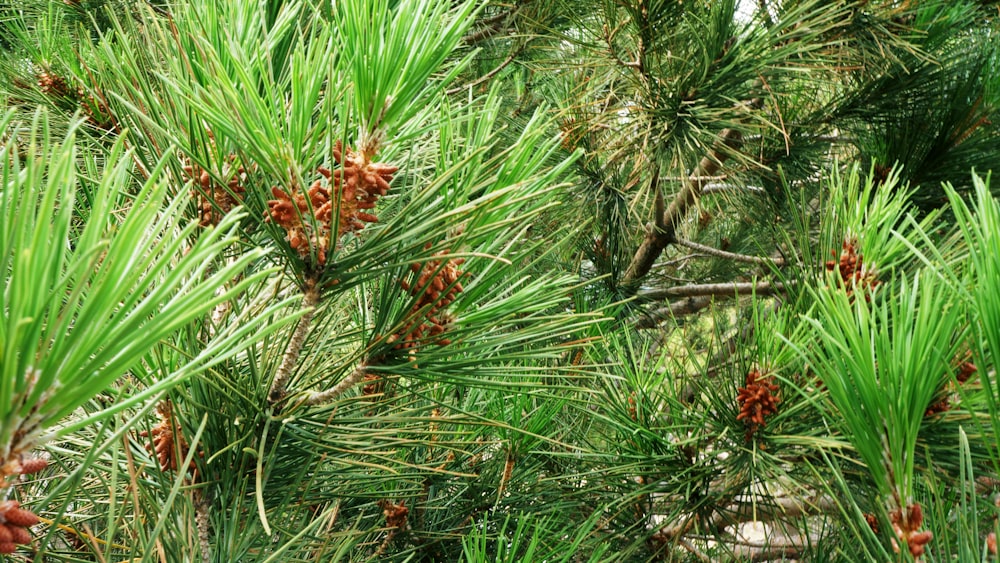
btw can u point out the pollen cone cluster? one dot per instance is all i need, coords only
(167, 442)
(338, 201)
(395, 514)
(64, 94)
(14, 524)
(436, 284)
(757, 401)
(214, 199)
(55, 86)
(906, 529)
(852, 270)
(358, 184)
(52, 84)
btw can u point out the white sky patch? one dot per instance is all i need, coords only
(745, 10)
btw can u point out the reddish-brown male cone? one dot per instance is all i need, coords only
(20, 535)
(11, 513)
(12, 534)
(9, 533)
(916, 516)
(34, 465)
(23, 518)
(918, 541)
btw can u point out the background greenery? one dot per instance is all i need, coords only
(610, 280)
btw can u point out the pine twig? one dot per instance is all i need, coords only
(782, 508)
(491, 26)
(719, 188)
(291, 357)
(694, 550)
(202, 521)
(729, 255)
(777, 553)
(324, 397)
(715, 290)
(662, 231)
(513, 55)
(698, 296)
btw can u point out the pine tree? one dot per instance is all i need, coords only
(493, 281)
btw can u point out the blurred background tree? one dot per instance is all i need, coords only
(603, 280)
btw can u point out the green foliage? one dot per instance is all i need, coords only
(499, 281)
(87, 295)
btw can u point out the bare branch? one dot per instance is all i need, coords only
(715, 188)
(714, 290)
(729, 255)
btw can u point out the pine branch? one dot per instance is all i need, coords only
(324, 397)
(203, 522)
(729, 255)
(513, 55)
(662, 232)
(694, 550)
(714, 290)
(699, 296)
(291, 357)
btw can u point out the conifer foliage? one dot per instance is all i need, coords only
(425, 280)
